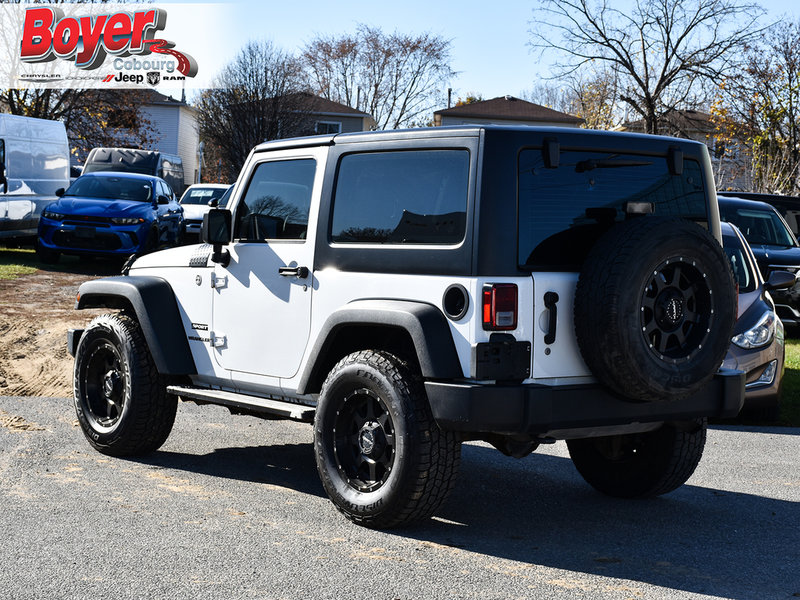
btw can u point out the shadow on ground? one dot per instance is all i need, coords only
(538, 511)
(289, 465)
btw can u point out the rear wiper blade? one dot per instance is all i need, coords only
(591, 164)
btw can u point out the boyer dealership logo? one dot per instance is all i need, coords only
(48, 35)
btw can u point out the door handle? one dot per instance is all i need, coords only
(550, 300)
(299, 272)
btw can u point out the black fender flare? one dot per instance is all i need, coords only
(153, 302)
(425, 323)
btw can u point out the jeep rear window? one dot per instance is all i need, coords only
(401, 197)
(563, 211)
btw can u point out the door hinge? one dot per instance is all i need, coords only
(218, 281)
(217, 340)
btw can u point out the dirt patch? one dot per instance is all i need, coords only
(17, 423)
(36, 311)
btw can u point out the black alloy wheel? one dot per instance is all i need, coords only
(677, 310)
(103, 376)
(364, 440)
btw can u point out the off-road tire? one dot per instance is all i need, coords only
(382, 459)
(655, 306)
(641, 465)
(120, 398)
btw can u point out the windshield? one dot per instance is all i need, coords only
(759, 226)
(111, 188)
(202, 195)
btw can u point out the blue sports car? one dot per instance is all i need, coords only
(110, 214)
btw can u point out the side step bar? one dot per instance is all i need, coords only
(298, 412)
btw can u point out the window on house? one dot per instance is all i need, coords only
(328, 127)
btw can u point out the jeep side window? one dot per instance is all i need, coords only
(563, 211)
(401, 197)
(277, 201)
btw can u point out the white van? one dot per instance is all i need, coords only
(34, 163)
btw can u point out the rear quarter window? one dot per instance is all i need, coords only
(401, 197)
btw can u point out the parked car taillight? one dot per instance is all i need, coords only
(499, 306)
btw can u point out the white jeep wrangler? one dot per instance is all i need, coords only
(409, 290)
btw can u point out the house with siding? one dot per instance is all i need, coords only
(172, 128)
(327, 116)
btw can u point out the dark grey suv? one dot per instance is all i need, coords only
(774, 246)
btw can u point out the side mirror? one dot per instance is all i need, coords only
(216, 230)
(162, 199)
(4, 182)
(780, 280)
(60, 192)
(214, 202)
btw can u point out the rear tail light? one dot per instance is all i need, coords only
(500, 307)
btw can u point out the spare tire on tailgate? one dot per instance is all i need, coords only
(655, 306)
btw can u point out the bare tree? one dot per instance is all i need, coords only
(399, 79)
(588, 94)
(661, 51)
(552, 93)
(257, 97)
(757, 110)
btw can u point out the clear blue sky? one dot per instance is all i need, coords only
(489, 38)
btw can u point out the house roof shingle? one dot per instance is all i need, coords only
(320, 105)
(508, 107)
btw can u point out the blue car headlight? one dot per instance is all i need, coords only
(759, 335)
(53, 216)
(126, 220)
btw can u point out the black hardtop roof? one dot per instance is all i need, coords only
(623, 137)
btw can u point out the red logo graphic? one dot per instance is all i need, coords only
(48, 35)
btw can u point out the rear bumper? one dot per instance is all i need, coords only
(538, 409)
